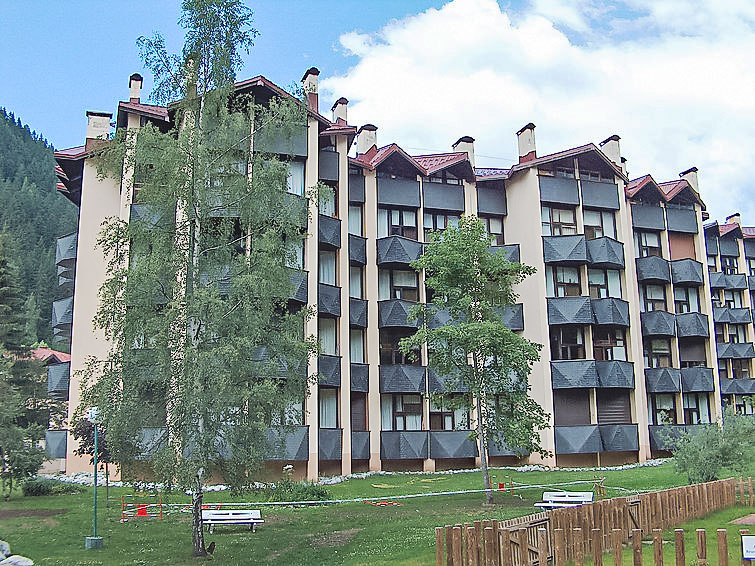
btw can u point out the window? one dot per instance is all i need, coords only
(723, 370)
(391, 354)
(567, 343)
(686, 299)
(437, 222)
(356, 287)
(443, 417)
(327, 267)
(494, 226)
(565, 172)
(295, 254)
(355, 220)
(443, 177)
(658, 353)
(647, 244)
(327, 202)
(729, 265)
(715, 298)
(614, 406)
(737, 333)
(696, 409)
(661, 408)
(401, 412)
(743, 405)
(558, 221)
(653, 298)
(291, 415)
(571, 407)
(326, 330)
(751, 267)
(711, 262)
(397, 222)
(692, 352)
(295, 181)
(599, 223)
(589, 175)
(732, 299)
(740, 369)
(398, 284)
(356, 345)
(604, 283)
(328, 407)
(609, 344)
(562, 281)
(719, 329)
(358, 411)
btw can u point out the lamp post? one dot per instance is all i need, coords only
(94, 541)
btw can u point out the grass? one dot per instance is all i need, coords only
(348, 534)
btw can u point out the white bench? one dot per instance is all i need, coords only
(212, 517)
(557, 499)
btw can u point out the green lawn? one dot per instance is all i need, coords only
(353, 533)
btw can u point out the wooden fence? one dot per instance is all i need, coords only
(593, 528)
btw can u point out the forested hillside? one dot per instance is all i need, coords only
(33, 216)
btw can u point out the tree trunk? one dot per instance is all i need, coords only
(483, 454)
(197, 534)
(107, 485)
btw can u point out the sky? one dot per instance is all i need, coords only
(673, 78)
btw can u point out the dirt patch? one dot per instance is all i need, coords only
(16, 513)
(746, 520)
(336, 538)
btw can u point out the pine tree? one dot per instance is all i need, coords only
(206, 354)
(23, 410)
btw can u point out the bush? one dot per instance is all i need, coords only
(35, 487)
(289, 490)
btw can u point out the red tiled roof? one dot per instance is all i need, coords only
(45, 354)
(374, 157)
(148, 110)
(573, 152)
(724, 229)
(71, 152)
(748, 231)
(635, 185)
(672, 188)
(436, 162)
(339, 127)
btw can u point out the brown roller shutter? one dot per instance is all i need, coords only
(571, 407)
(613, 406)
(358, 411)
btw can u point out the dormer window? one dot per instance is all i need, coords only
(589, 175)
(565, 172)
(443, 177)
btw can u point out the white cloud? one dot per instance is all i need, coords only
(672, 78)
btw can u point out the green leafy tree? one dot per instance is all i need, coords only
(474, 351)
(708, 451)
(207, 355)
(82, 430)
(23, 410)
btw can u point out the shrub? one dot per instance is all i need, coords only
(46, 486)
(289, 490)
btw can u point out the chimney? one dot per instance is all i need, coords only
(366, 138)
(690, 175)
(735, 218)
(309, 83)
(526, 140)
(465, 144)
(610, 147)
(135, 87)
(339, 109)
(98, 126)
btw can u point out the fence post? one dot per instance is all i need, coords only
(617, 547)
(636, 547)
(449, 546)
(542, 547)
(496, 541)
(524, 552)
(505, 544)
(489, 547)
(749, 485)
(597, 547)
(679, 547)
(471, 546)
(579, 547)
(741, 491)
(723, 548)
(438, 546)
(702, 550)
(457, 547)
(559, 558)
(658, 547)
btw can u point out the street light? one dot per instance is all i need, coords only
(94, 541)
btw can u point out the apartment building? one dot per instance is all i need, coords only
(620, 301)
